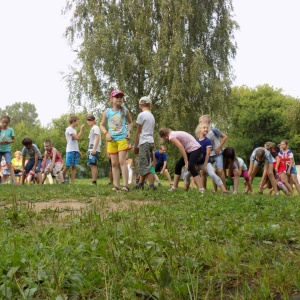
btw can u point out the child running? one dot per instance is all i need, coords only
(205, 165)
(190, 150)
(7, 137)
(117, 136)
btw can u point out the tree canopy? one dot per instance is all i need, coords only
(178, 52)
(21, 112)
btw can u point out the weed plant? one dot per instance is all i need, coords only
(161, 246)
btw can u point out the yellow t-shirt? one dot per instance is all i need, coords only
(17, 163)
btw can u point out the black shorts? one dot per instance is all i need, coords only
(158, 167)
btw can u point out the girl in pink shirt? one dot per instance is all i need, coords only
(190, 150)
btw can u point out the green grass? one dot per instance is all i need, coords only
(177, 246)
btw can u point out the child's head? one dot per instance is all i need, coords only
(202, 128)
(116, 98)
(91, 120)
(145, 102)
(17, 154)
(73, 119)
(260, 154)
(271, 146)
(162, 149)
(47, 145)
(5, 120)
(283, 145)
(27, 142)
(164, 133)
(229, 153)
(205, 119)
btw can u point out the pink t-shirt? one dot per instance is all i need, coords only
(187, 140)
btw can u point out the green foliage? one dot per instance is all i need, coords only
(178, 52)
(21, 112)
(259, 115)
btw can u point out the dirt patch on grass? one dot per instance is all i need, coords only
(73, 207)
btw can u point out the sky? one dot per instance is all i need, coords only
(34, 54)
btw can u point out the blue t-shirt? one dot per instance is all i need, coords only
(117, 124)
(6, 134)
(160, 157)
(205, 143)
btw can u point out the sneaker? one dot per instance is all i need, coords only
(152, 187)
(139, 186)
(234, 192)
(159, 184)
(94, 183)
(172, 189)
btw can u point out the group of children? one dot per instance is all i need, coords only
(200, 155)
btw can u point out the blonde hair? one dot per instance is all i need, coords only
(205, 118)
(199, 127)
(18, 152)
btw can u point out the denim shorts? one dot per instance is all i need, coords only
(30, 164)
(218, 160)
(92, 159)
(7, 156)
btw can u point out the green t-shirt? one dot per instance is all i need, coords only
(6, 134)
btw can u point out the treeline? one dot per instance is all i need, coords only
(256, 115)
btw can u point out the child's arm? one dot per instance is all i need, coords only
(137, 138)
(52, 159)
(108, 137)
(224, 139)
(208, 149)
(44, 161)
(264, 176)
(181, 149)
(240, 170)
(277, 163)
(78, 136)
(96, 143)
(129, 121)
(23, 163)
(36, 158)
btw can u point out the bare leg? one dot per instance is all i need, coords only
(73, 174)
(115, 169)
(94, 171)
(124, 167)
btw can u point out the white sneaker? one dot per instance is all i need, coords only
(172, 189)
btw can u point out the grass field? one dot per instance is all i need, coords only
(86, 242)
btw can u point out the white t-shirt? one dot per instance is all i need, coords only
(72, 144)
(95, 130)
(146, 119)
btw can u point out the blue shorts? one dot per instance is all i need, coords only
(293, 170)
(218, 160)
(92, 159)
(7, 156)
(72, 158)
(30, 164)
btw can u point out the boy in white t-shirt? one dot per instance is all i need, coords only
(144, 142)
(73, 153)
(94, 147)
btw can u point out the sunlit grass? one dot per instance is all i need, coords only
(147, 244)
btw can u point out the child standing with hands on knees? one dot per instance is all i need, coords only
(205, 164)
(191, 152)
(72, 152)
(117, 136)
(7, 136)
